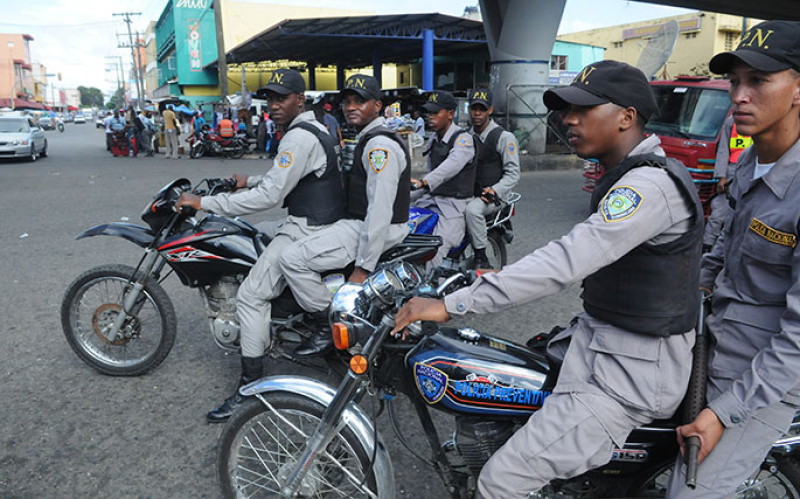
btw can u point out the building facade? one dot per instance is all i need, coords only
(150, 62)
(16, 70)
(700, 36)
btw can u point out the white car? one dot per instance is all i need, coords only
(20, 137)
(79, 119)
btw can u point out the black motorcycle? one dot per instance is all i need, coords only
(119, 319)
(297, 437)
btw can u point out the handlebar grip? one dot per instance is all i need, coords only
(692, 450)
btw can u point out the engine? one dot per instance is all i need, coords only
(220, 299)
(476, 440)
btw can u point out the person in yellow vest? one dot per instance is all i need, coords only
(730, 146)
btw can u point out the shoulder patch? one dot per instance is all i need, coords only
(285, 160)
(511, 148)
(620, 203)
(464, 140)
(378, 158)
(773, 235)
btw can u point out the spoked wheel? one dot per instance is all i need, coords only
(778, 480)
(237, 153)
(91, 305)
(260, 446)
(197, 151)
(495, 252)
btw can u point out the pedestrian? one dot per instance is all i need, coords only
(272, 137)
(626, 360)
(730, 146)
(107, 125)
(496, 173)
(171, 131)
(131, 131)
(198, 123)
(306, 180)
(332, 124)
(447, 187)
(376, 213)
(419, 124)
(753, 392)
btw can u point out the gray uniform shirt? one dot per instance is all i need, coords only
(299, 154)
(755, 272)
(384, 161)
(723, 168)
(508, 149)
(462, 153)
(662, 215)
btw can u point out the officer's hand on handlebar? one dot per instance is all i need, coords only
(417, 184)
(489, 196)
(241, 180)
(188, 199)
(420, 309)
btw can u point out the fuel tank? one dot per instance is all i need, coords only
(464, 371)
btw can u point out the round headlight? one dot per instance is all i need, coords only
(345, 301)
(383, 285)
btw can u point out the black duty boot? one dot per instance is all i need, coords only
(252, 369)
(322, 342)
(480, 262)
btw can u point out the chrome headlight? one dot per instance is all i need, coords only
(383, 285)
(345, 301)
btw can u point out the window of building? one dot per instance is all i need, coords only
(730, 39)
(558, 62)
(402, 77)
(690, 35)
(171, 62)
(618, 45)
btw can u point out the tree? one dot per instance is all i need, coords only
(117, 100)
(91, 96)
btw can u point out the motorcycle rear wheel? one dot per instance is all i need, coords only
(93, 301)
(767, 483)
(197, 151)
(237, 153)
(257, 448)
(496, 253)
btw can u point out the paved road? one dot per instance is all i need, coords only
(68, 431)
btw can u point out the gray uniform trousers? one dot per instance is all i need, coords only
(330, 249)
(477, 211)
(594, 406)
(451, 225)
(266, 282)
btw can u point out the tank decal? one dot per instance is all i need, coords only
(431, 382)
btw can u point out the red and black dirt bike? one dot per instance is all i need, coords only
(210, 143)
(119, 320)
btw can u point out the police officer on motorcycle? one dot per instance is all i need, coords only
(305, 179)
(627, 357)
(497, 169)
(378, 199)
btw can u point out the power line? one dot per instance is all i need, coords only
(81, 25)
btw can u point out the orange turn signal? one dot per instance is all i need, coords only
(358, 364)
(341, 337)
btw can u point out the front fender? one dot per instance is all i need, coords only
(137, 234)
(353, 415)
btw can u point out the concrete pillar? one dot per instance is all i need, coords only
(520, 35)
(340, 79)
(377, 66)
(312, 76)
(427, 59)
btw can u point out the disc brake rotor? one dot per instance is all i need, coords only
(103, 318)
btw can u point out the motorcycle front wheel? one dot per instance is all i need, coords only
(778, 480)
(260, 446)
(197, 151)
(236, 153)
(91, 304)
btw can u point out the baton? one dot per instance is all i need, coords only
(698, 386)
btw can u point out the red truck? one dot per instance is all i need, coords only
(691, 111)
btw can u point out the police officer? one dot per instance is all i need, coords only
(448, 186)
(306, 169)
(627, 357)
(497, 169)
(377, 192)
(730, 146)
(753, 390)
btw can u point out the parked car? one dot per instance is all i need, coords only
(98, 123)
(21, 137)
(79, 119)
(46, 123)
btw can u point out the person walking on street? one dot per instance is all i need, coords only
(145, 139)
(107, 125)
(497, 170)
(376, 213)
(332, 124)
(626, 359)
(450, 181)
(306, 180)
(753, 389)
(171, 132)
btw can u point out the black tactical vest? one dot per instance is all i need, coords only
(653, 289)
(355, 180)
(489, 169)
(460, 186)
(319, 199)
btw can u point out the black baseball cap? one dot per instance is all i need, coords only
(438, 100)
(285, 81)
(605, 81)
(365, 86)
(481, 96)
(769, 46)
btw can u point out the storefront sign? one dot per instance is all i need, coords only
(195, 49)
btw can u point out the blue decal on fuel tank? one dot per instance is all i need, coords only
(431, 382)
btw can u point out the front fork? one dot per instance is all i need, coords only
(131, 303)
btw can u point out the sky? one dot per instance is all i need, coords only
(75, 38)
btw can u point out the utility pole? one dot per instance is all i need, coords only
(127, 16)
(221, 62)
(117, 70)
(139, 46)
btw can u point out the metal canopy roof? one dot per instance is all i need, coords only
(764, 9)
(352, 41)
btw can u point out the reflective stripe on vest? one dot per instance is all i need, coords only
(738, 143)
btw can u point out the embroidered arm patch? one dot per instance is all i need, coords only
(620, 203)
(378, 158)
(285, 160)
